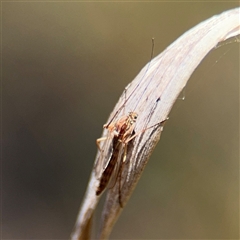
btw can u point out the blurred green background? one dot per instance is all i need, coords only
(64, 66)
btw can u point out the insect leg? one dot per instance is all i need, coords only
(142, 131)
(100, 140)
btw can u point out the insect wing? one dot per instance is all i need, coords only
(104, 153)
(117, 167)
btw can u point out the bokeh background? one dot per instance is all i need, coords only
(64, 66)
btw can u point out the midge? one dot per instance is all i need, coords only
(122, 131)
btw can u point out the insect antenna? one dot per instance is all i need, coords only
(127, 98)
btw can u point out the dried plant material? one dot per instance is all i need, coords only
(151, 95)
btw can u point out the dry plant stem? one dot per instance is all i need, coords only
(152, 94)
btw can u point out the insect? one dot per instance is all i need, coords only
(122, 131)
(114, 150)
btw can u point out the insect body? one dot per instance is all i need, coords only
(122, 131)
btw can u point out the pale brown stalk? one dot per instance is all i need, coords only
(152, 94)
